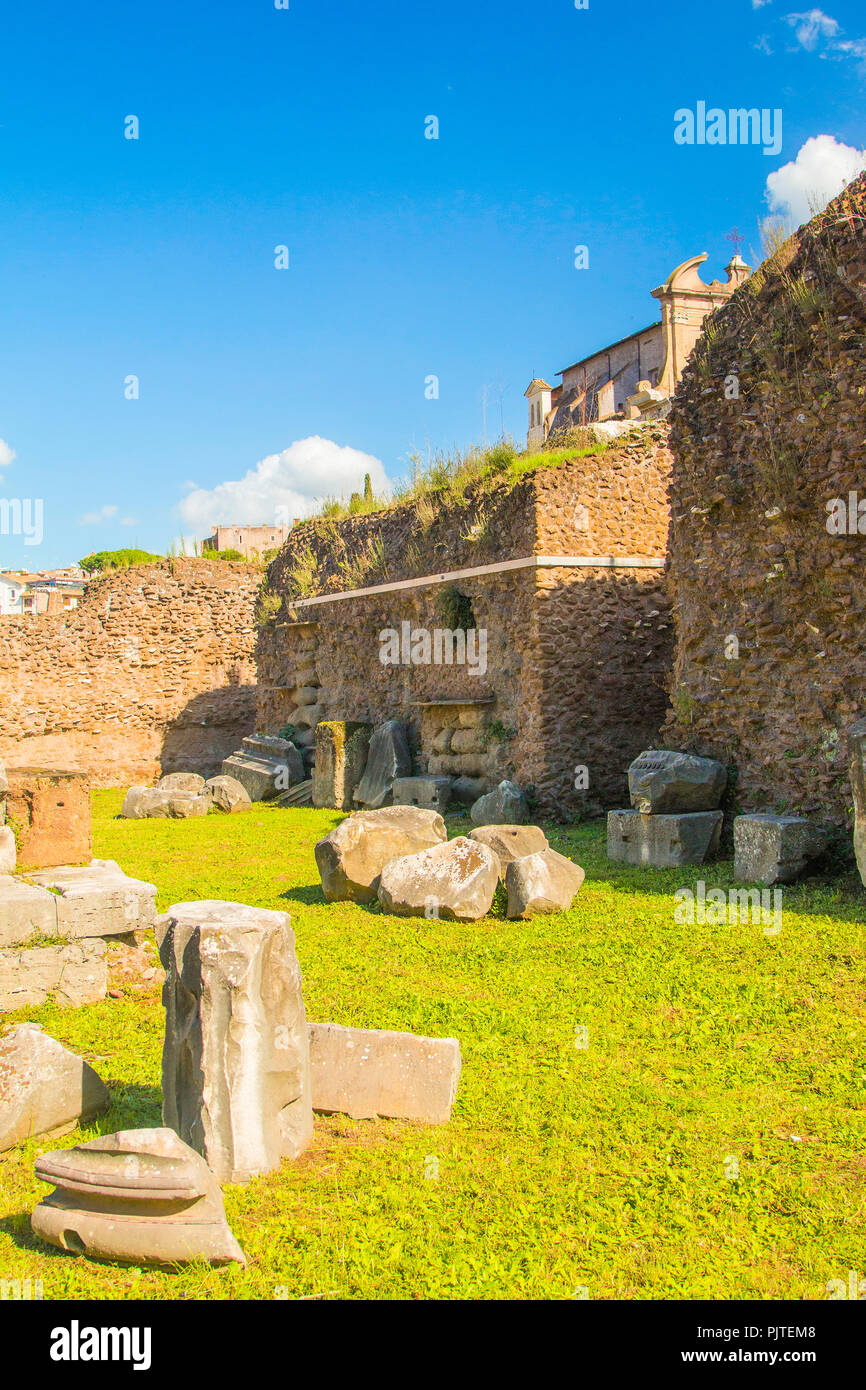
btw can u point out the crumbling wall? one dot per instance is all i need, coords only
(153, 672)
(768, 428)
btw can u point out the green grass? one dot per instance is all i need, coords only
(563, 1169)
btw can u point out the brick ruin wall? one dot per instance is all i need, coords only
(577, 658)
(153, 672)
(751, 558)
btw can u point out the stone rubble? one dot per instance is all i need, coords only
(388, 758)
(505, 805)
(455, 880)
(541, 883)
(367, 1072)
(352, 856)
(772, 849)
(44, 1088)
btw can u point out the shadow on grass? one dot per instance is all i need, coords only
(310, 895)
(133, 1106)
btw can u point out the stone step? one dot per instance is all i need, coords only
(95, 900)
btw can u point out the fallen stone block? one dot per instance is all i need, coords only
(141, 803)
(774, 849)
(97, 899)
(51, 809)
(857, 774)
(388, 757)
(266, 766)
(8, 852)
(73, 974)
(25, 911)
(236, 1062)
(190, 782)
(430, 793)
(455, 881)
(227, 794)
(505, 805)
(662, 841)
(661, 781)
(465, 791)
(140, 1195)
(510, 842)
(351, 857)
(366, 1072)
(541, 883)
(44, 1088)
(341, 756)
(299, 795)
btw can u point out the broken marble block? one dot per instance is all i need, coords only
(191, 782)
(541, 883)
(857, 774)
(505, 805)
(72, 974)
(341, 756)
(97, 899)
(774, 849)
(44, 1088)
(430, 793)
(510, 842)
(160, 803)
(265, 766)
(662, 841)
(455, 880)
(351, 857)
(236, 1062)
(25, 911)
(8, 852)
(140, 1195)
(662, 781)
(227, 794)
(388, 757)
(366, 1072)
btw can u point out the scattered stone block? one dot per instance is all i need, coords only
(182, 782)
(465, 791)
(540, 883)
(141, 803)
(299, 795)
(505, 805)
(266, 766)
(75, 973)
(141, 1195)
(455, 880)
(510, 842)
(8, 853)
(661, 781)
(44, 1088)
(341, 756)
(227, 794)
(662, 841)
(431, 793)
(25, 911)
(236, 1062)
(774, 849)
(857, 773)
(97, 899)
(51, 811)
(365, 1072)
(351, 857)
(388, 757)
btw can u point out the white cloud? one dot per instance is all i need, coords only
(128, 521)
(6, 454)
(763, 45)
(284, 485)
(759, 4)
(811, 26)
(94, 518)
(805, 185)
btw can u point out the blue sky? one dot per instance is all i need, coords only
(408, 257)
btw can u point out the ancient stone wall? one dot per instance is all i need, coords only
(153, 672)
(770, 606)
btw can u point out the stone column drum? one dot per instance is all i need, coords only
(236, 1060)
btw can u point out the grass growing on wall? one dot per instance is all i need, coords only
(564, 1168)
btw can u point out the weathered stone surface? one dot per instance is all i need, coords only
(661, 781)
(7, 852)
(227, 794)
(510, 842)
(51, 810)
(540, 883)
(857, 774)
(236, 1064)
(97, 899)
(75, 973)
(44, 1088)
(660, 840)
(341, 756)
(365, 1072)
(465, 791)
(25, 911)
(266, 766)
(505, 805)
(140, 1195)
(431, 793)
(190, 782)
(774, 849)
(301, 794)
(351, 857)
(143, 802)
(455, 880)
(388, 757)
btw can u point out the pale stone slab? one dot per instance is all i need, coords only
(97, 899)
(227, 794)
(661, 781)
(191, 782)
(8, 853)
(236, 1063)
(662, 841)
(431, 793)
(25, 911)
(774, 849)
(541, 883)
(351, 857)
(44, 1088)
(75, 973)
(367, 1072)
(505, 805)
(140, 1195)
(510, 842)
(857, 773)
(455, 881)
(160, 803)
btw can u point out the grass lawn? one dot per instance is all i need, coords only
(607, 1171)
